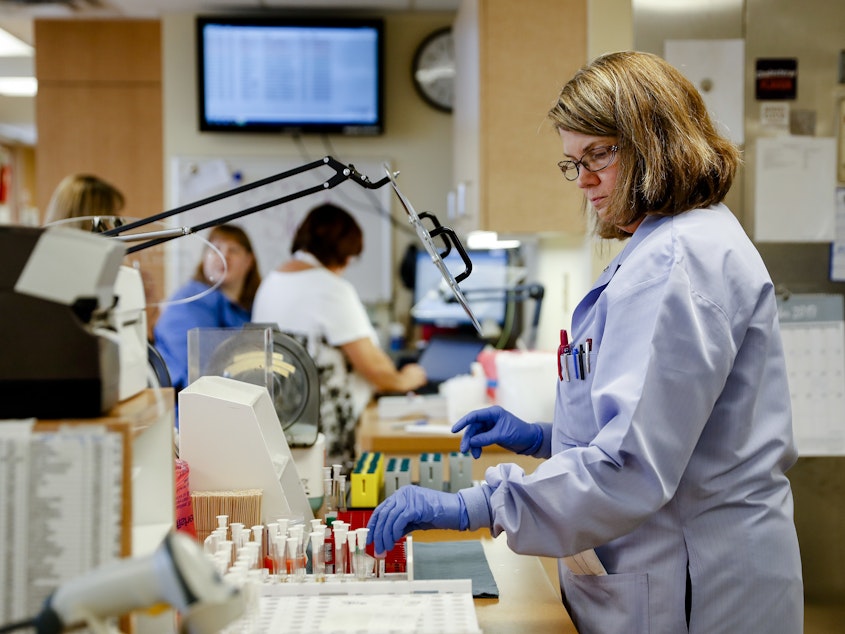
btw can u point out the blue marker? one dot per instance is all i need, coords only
(575, 361)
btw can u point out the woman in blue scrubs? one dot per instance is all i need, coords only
(663, 490)
(198, 304)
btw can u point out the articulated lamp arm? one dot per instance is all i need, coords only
(342, 172)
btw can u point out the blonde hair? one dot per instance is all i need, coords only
(83, 195)
(671, 158)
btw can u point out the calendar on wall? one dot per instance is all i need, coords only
(813, 330)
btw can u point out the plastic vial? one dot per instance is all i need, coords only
(340, 549)
(292, 558)
(341, 493)
(318, 566)
(362, 570)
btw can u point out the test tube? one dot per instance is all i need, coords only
(297, 532)
(341, 494)
(250, 553)
(351, 541)
(340, 548)
(277, 550)
(237, 534)
(318, 566)
(336, 469)
(362, 571)
(283, 526)
(292, 558)
(329, 510)
(209, 544)
(258, 538)
(227, 550)
(221, 563)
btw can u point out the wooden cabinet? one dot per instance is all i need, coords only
(512, 58)
(99, 107)
(99, 111)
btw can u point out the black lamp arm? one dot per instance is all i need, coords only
(342, 172)
(449, 239)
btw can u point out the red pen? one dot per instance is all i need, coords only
(562, 353)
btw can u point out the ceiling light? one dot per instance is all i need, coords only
(18, 86)
(489, 240)
(10, 46)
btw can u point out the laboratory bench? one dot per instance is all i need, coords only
(528, 600)
(413, 435)
(529, 592)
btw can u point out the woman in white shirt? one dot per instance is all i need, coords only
(308, 298)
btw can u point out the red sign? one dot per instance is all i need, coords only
(776, 79)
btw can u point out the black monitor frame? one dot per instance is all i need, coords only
(285, 125)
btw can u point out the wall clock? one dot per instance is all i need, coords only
(433, 70)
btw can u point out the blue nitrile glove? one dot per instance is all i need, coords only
(414, 507)
(497, 426)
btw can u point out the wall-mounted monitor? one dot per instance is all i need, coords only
(290, 75)
(485, 289)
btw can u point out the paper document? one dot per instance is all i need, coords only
(585, 563)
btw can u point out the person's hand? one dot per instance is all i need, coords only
(414, 507)
(412, 376)
(497, 426)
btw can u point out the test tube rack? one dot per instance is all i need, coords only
(419, 606)
(367, 480)
(375, 478)
(397, 475)
(460, 471)
(399, 560)
(431, 471)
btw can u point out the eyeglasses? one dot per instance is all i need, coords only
(594, 160)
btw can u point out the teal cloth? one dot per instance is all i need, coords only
(456, 560)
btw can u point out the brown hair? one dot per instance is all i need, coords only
(330, 234)
(253, 277)
(671, 158)
(80, 195)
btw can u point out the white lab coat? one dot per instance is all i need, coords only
(670, 455)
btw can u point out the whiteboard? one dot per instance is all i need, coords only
(271, 230)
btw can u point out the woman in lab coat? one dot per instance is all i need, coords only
(663, 492)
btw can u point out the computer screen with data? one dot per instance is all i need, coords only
(485, 289)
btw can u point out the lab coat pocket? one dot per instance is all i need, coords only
(607, 604)
(575, 407)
